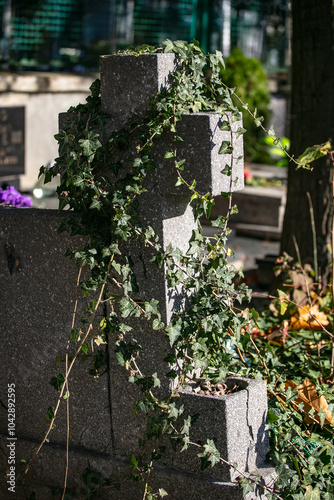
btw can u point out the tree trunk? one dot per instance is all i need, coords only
(311, 122)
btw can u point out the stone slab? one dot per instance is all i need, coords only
(258, 206)
(37, 296)
(48, 472)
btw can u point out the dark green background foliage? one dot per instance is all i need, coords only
(250, 81)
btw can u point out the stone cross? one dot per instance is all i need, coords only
(128, 83)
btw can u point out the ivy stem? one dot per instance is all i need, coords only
(314, 238)
(147, 478)
(261, 358)
(275, 139)
(246, 476)
(67, 428)
(308, 311)
(332, 360)
(302, 268)
(67, 389)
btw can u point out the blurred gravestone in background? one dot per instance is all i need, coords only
(11, 141)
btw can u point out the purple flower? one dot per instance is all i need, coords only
(10, 196)
(23, 201)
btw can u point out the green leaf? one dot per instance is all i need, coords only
(225, 125)
(156, 380)
(272, 417)
(169, 154)
(57, 382)
(173, 332)
(90, 145)
(168, 45)
(180, 164)
(246, 485)
(258, 121)
(227, 170)
(157, 324)
(283, 301)
(96, 203)
(50, 413)
(210, 455)
(127, 307)
(312, 494)
(240, 131)
(255, 314)
(313, 153)
(152, 307)
(226, 148)
(120, 358)
(133, 462)
(179, 182)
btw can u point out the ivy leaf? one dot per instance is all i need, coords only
(174, 412)
(283, 301)
(225, 148)
(227, 170)
(168, 45)
(258, 121)
(272, 417)
(180, 164)
(246, 485)
(96, 203)
(173, 332)
(225, 125)
(169, 154)
(255, 314)
(127, 307)
(152, 307)
(57, 382)
(210, 455)
(90, 145)
(157, 324)
(195, 248)
(50, 413)
(312, 494)
(220, 58)
(313, 153)
(241, 131)
(156, 380)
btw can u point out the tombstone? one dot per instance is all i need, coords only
(103, 431)
(12, 145)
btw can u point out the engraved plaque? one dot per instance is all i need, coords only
(11, 141)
